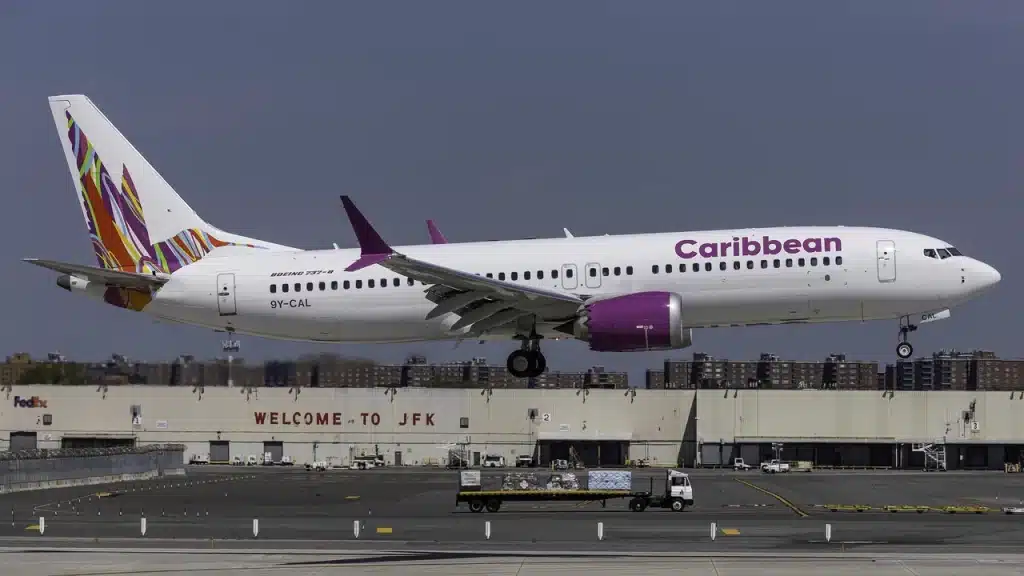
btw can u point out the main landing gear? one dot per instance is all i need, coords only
(904, 350)
(528, 361)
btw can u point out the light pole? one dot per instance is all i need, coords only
(230, 346)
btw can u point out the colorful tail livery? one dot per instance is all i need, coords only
(141, 230)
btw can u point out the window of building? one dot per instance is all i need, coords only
(464, 422)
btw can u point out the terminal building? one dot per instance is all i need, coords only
(600, 427)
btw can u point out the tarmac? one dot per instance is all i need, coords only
(398, 510)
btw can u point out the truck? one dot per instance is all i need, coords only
(774, 466)
(677, 494)
(739, 464)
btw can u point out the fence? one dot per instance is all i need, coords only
(41, 469)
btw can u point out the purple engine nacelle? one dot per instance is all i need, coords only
(634, 322)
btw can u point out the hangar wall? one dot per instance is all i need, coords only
(412, 425)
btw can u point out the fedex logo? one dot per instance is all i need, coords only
(33, 402)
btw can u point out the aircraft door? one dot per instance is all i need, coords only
(569, 279)
(592, 276)
(886, 253)
(226, 294)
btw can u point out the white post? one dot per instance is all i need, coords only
(714, 530)
(42, 525)
(142, 525)
(487, 529)
(828, 532)
(255, 527)
(355, 528)
(600, 530)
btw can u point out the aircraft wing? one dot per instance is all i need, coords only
(480, 302)
(102, 275)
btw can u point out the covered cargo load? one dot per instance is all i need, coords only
(610, 480)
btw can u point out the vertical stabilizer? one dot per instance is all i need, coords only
(136, 221)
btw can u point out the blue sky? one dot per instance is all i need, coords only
(510, 120)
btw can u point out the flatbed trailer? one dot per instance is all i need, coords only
(678, 495)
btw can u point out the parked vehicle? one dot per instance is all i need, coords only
(524, 461)
(739, 464)
(774, 466)
(493, 461)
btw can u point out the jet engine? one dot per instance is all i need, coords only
(631, 323)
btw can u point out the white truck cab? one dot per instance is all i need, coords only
(739, 464)
(774, 466)
(679, 489)
(493, 461)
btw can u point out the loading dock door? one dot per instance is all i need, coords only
(886, 260)
(276, 450)
(23, 441)
(220, 452)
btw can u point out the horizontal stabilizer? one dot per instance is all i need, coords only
(102, 275)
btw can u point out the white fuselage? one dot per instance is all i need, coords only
(870, 274)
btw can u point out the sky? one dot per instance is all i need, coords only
(514, 120)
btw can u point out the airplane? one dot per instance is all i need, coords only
(618, 293)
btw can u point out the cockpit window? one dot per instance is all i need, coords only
(943, 253)
(953, 251)
(929, 252)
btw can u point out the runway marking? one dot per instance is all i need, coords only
(33, 527)
(730, 532)
(382, 530)
(351, 497)
(785, 502)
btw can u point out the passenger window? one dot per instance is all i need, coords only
(410, 281)
(501, 275)
(814, 261)
(370, 283)
(526, 275)
(764, 264)
(789, 262)
(721, 265)
(359, 284)
(396, 282)
(605, 272)
(323, 286)
(489, 275)
(593, 272)
(654, 269)
(629, 270)
(668, 268)
(284, 287)
(540, 274)
(554, 274)
(750, 264)
(309, 286)
(824, 261)
(334, 285)
(777, 263)
(735, 265)
(618, 271)
(298, 287)
(696, 267)
(515, 276)
(800, 262)
(839, 260)
(273, 288)
(345, 285)
(383, 282)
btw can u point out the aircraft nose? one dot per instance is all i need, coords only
(985, 276)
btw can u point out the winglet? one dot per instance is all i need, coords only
(435, 235)
(374, 249)
(567, 233)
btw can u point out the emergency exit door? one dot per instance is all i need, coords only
(226, 294)
(886, 260)
(592, 276)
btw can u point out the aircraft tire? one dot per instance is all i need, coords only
(904, 350)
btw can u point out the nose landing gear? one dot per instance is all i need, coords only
(904, 350)
(528, 361)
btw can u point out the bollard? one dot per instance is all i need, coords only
(487, 530)
(42, 525)
(828, 532)
(600, 530)
(714, 530)
(355, 528)
(142, 525)
(255, 527)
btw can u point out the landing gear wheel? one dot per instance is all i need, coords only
(519, 363)
(904, 350)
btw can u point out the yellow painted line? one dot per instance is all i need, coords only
(383, 530)
(351, 497)
(33, 527)
(730, 532)
(785, 502)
